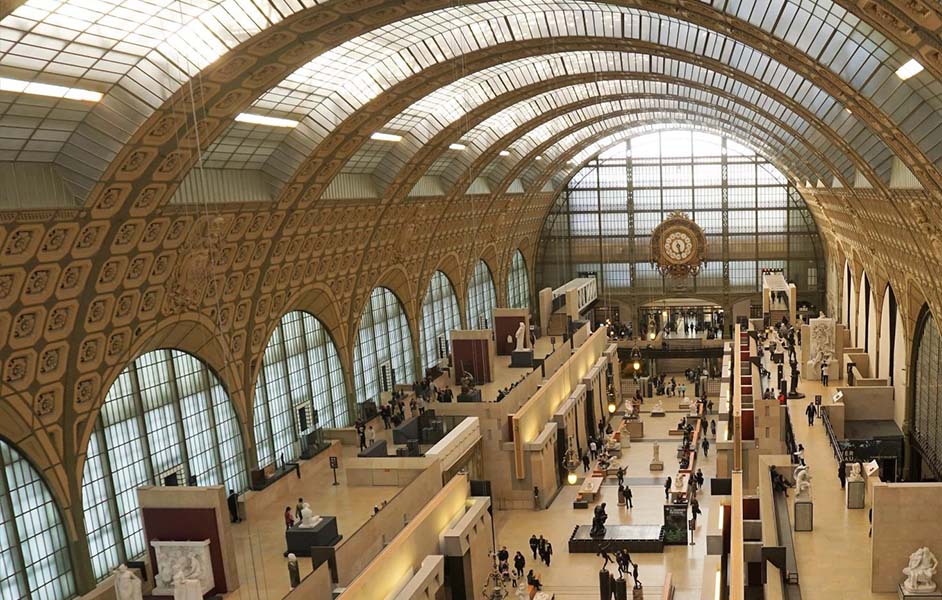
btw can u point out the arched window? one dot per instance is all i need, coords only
(384, 341)
(518, 283)
(166, 416)
(301, 371)
(927, 417)
(482, 297)
(34, 549)
(439, 316)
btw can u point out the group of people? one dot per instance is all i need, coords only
(506, 390)
(366, 434)
(393, 413)
(540, 546)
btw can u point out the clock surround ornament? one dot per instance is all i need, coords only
(678, 246)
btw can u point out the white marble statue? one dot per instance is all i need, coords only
(522, 592)
(521, 336)
(802, 480)
(822, 334)
(680, 484)
(657, 453)
(184, 569)
(855, 474)
(919, 571)
(126, 584)
(658, 407)
(308, 518)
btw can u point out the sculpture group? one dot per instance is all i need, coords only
(922, 566)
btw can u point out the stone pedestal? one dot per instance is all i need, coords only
(856, 493)
(300, 539)
(521, 359)
(804, 515)
(904, 595)
(657, 465)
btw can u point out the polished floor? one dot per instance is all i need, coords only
(572, 576)
(834, 559)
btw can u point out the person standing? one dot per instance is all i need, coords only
(233, 501)
(667, 488)
(298, 508)
(362, 433)
(695, 511)
(824, 373)
(534, 544)
(713, 427)
(370, 436)
(541, 548)
(706, 447)
(628, 496)
(842, 474)
(593, 449)
(289, 518)
(585, 462)
(503, 555)
(520, 562)
(548, 553)
(809, 412)
(700, 479)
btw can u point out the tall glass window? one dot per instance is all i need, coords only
(927, 420)
(384, 341)
(167, 415)
(482, 297)
(518, 283)
(34, 549)
(300, 372)
(440, 315)
(752, 217)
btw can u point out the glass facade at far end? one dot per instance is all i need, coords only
(753, 219)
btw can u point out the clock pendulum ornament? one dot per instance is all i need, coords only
(678, 246)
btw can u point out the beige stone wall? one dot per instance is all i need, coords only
(905, 517)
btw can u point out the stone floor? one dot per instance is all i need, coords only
(572, 576)
(834, 559)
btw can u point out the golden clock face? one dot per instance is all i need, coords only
(678, 246)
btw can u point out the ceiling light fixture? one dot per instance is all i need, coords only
(44, 89)
(539, 158)
(456, 146)
(504, 153)
(263, 120)
(909, 69)
(386, 137)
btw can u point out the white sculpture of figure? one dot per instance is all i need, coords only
(658, 407)
(523, 592)
(919, 572)
(521, 336)
(308, 518)
(680, 484)
(657, 453)
(126, 584)
(855, 474)
(802, 480)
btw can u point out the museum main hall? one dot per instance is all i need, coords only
(480, 299)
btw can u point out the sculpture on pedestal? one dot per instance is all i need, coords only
(658, 407)
(521, 337)
(802, 480)
(126, 584)
(308, 518)
(657, 453)
(855, 474)
(821, 346)
(184, 569)
(919, 572)
(598, 521)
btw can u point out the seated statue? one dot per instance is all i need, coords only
(922, 566)
(855, 474)
(598, 521)
(658, 407)
(308, 518)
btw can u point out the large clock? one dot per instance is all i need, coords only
(678, 246)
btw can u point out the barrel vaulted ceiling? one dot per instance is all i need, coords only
(812, 84)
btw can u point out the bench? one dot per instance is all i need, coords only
(589, 490)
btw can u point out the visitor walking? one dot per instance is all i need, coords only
(667, 488)
(520, 562)
(289, 518)
(534, 543)
(699, 478)
(706, 447)
(547, 553)
(695, 511)
(809, 412)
